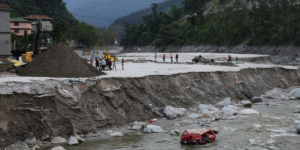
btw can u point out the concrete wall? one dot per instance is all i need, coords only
(5, 45)
(4, 21)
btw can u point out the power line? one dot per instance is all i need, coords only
(107, 19)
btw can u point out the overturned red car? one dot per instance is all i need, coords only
(198, 136)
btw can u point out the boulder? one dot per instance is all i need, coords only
(177, 124)
(142, 124)
(108, 132)
(147, 130)
(298, 128)
(79, 139)
(217, 117)
(136, 128)
(227, 101)
(203, 107)
(58, 148)
(128, 128)
(293, 98)
(220, 104)
(212, 108)
(45, 137)
(30, 141)
(173, 113)
(175, 132)
(208, 121)
(206, 116)
(294, 93)
(218, 113)
(116, 134)
(155, 129)
(194, 116)
(285, 98)
(249, 112)
(234, 107)
(246, 103)
(256, 99)
(239, 105)
(229, 110)
(56, 140)
(201, 123)
(73, 141)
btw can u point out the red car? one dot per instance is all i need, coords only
(198, 136)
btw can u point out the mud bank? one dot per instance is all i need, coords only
(279, 55)
(39, 108)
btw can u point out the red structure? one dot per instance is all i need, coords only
(198, 136)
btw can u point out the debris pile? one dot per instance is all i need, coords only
(59, 61)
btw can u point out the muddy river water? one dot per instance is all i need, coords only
(273, 129)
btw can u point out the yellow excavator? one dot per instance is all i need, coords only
(28, 56)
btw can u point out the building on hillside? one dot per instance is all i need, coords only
(5, 42)
(46, 22)
(18, 26)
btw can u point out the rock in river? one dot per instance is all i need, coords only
(173, 113)
(298, 128)
(246, 103)
(249, 112)
(142, 124)
(136, 128)
(229, 110)
(256, 99)
(227, 101)
(79, 139)
(58, 139)
(58, 148)
(194, 116)
(73, 141)
(147, 130)
(155, 129)
(294, 93)
(116, 134)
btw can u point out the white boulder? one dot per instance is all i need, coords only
(175, 132)
(155, 129)
(136, 128)
(56, 140)
(246, 103)
(173, 113)
(58, 148)
(30, 141)
(227, 101)
(147, 130)
(228, 110)
(142, 124)
(116, 134)
(73, 141)
(249, 112)
(108, 132)
(294, 93)
(79, 139)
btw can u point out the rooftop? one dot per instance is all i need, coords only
(18, 20)
(4, 5)
(38, 17)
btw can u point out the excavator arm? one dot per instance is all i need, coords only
(36, 37)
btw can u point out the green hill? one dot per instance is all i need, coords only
(137, 17)
(220, 22)
(55, 9)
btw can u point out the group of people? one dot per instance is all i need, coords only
(230, 59)
(164, 57)
(102, 63)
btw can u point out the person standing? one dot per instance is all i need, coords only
(164, 57)
(155, 56)
(91, 61)
(97, 64)
(122, 63)
(230, 58)
(110, 64)
(114, 65)
(236, 60)
(171, 57)
(103, 64)
(176, 57)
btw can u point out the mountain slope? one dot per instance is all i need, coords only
(55, 9)
(137, 17)
(106, 11)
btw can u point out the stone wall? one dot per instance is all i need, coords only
(5, 21)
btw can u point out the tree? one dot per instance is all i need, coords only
(59, 29)
(85, 34)
(24, 39)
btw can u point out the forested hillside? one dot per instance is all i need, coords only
(55, 9)
(266, 22)
(101, 13)
(137, 17)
